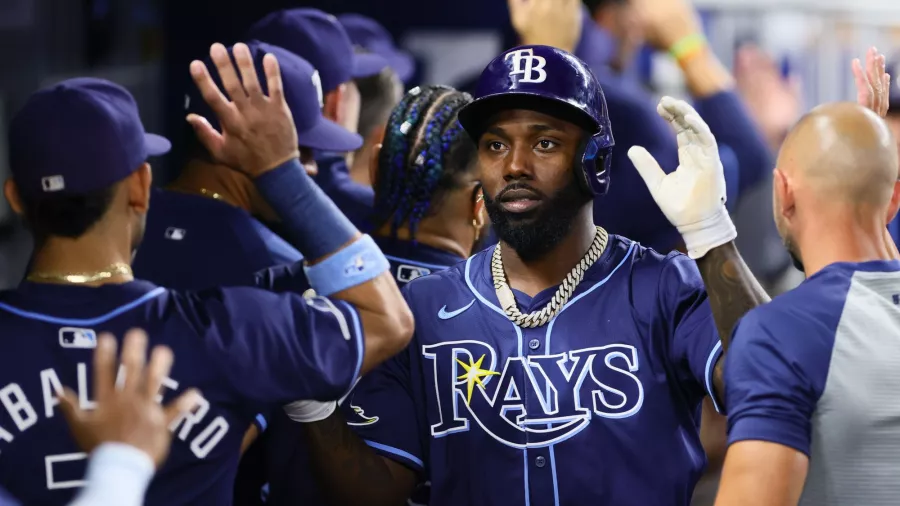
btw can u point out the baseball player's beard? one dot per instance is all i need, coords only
(535, 233)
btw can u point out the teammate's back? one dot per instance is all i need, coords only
(222, 339)
(811, 378)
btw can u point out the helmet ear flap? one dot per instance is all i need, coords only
(594, 167)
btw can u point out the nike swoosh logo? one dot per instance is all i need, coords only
(443, 314)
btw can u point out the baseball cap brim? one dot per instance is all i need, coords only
(156, 144)
(367, 64)
(403, 64)
(327, 135)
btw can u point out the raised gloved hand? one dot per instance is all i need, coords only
(693, 196)
(309, 411)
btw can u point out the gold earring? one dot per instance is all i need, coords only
(479, 198)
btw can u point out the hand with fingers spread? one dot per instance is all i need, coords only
(258, 132)
(873, 83)
(693, 196)
(554, 23)
(130, 415)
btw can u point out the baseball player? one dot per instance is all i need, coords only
(810, 382)
(320, 39)
(246, 349)
(428, 217)
(368, 33)
(378, 95)
(212, 220)
(793, 435)
(566, 365)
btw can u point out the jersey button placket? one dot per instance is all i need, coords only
(540, 461)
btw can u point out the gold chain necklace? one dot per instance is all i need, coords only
(563, 293)
(78, 278)
(214, 195)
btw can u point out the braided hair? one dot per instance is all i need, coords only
(425, 153)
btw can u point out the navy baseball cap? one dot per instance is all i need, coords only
(78, 136)
(321, 40)
(369, 34)
(302, 92)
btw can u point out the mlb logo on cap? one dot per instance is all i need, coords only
(73, 337)
(53, 183)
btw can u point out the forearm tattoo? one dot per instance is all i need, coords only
(732, 290)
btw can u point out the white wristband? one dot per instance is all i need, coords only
(705, 235)
(117, 475)
(309, 411)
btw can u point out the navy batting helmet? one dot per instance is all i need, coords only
(553, 82)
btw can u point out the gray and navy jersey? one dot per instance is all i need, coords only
(818, 370)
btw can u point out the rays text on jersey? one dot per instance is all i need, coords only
(565, 391)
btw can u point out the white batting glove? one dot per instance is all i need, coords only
(693, 196)
(309, 411)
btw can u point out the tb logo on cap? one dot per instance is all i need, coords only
(533, 72)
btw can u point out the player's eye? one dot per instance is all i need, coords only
(545, 144)
(495, 146)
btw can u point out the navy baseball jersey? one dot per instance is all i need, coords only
(290, 475)
(599, 406)
(246, 349)
(818, 370)
(356, 201)
(193, 242)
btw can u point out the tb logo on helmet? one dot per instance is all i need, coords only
(534, 66)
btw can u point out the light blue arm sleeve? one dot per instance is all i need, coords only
(117, 475)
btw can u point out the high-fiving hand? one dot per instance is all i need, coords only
(554, 23)
(873, 84)
(693, 196)
(258, 132)
(132, 414)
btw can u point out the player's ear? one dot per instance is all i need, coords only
(373, 164)
(376, 136)
(479, 217)
(12, 196)
(332, 107)
(783, 193)
(139, 183)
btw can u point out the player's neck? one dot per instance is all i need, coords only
(222, 183)
(532, 277)
(96, 251)
(842, 237)
(359, 169)
(456, 242)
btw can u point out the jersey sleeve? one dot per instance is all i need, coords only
(772, 385)
(277, 348)
(282, 278)
(382, 410)
(694, 340)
